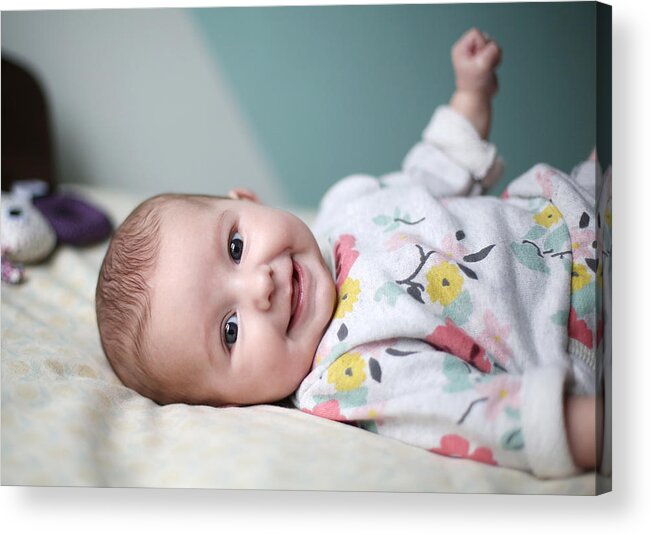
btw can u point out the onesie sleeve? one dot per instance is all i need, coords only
(451, 159)
(461, 406)
(543, 422)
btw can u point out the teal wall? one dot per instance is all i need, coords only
(334, 90)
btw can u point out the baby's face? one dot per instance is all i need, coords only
(240, 299)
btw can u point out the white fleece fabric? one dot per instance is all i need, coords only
(456, 311)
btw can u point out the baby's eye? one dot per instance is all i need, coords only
(235, 247)
(230, 330)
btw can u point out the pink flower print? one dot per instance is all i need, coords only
(494, 337)
(398, 240)
(505, 194)
(578, 329)
(457, 446)
(582, 240)
(345, 256)
(457, 342)
(544, 179)
(328, 409)
(502, 391)
(453, 248)
(375, 349)
(322, 351)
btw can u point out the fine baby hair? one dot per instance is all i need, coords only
(123, 295)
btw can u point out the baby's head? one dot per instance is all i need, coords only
(213, 300)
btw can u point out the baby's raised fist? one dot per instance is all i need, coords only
(474, 58)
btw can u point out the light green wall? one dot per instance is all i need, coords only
(334, 90)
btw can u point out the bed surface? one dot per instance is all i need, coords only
(68, 421)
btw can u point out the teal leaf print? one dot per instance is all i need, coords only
(535, 232)
(335, 352)
(389, 291)
(346, 399)
(460, 309)
(561, 317)
(406, 218)
(382, 220)
(512, 413)
(557, 238)
(567, 264)
(457, 373)
(352, 398)
(392, 223)
(584, 301)
(512, 440)
(529, 256)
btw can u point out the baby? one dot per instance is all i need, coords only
(414, 307)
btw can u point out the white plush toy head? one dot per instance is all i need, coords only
(26, 235)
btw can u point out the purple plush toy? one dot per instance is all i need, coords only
(75, 221)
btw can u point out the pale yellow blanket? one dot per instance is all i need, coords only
(67, 420)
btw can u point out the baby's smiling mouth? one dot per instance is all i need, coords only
(297, 293)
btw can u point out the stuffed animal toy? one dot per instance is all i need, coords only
(33, 222)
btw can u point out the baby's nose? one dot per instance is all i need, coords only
(262, 287)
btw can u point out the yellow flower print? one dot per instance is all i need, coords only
(347, 372)
(348, 295)
(548, 216)
(444, 283)
(580, 277)
(600, 274)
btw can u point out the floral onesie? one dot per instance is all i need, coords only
(462, 319)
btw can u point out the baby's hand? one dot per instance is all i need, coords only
(474, 58)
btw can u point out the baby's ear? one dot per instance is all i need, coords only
(243, 194)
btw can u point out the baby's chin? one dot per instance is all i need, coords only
(262, 399)
(290, 383)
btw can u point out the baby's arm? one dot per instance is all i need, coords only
(454, 157)
(580, 426)
(475, 58)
